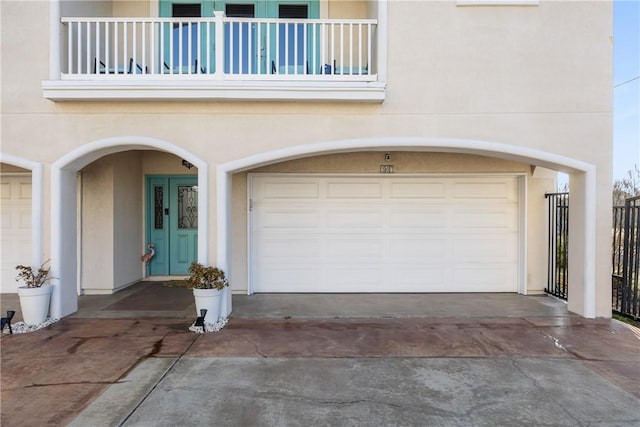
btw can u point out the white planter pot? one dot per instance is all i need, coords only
(209, 299)
(34, 303)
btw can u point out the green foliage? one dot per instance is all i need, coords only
(31, 279)
(201, 277)
(561, 254)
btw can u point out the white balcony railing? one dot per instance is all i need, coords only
(218, 49)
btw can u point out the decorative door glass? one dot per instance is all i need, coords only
(158, 208)
(187, 207)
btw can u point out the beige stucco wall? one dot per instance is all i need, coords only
(346, 9)
(97, 207)
(128, 200)
(158, 162)
(537, 77)
(111, 222)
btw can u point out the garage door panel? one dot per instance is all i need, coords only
(275, 248)
(486, 218)
(5, 191)
(354, 247)
(25, 190)
(412, 248)
(25, 219)
(412, 190)
(343, 276)
(432, 278)
(385, 234)
(476, 279)
(288, 218)
(5, 221)
(411, 217)
(289, 190)
(482, 190)
(287, 279)
(357, 190)
(349, 218)
(475, 250)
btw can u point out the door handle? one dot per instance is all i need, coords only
(166, 211)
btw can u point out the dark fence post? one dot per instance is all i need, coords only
(617, 258)
(558, 238)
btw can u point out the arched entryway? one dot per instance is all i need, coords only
(64, 205)
(583, 290)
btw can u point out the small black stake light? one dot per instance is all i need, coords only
(7, 321)
(200, 319)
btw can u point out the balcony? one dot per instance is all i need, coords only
(218, 58)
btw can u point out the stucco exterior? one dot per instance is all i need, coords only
(533, 79)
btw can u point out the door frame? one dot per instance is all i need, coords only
(149, 213)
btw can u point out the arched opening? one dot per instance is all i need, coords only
(114, 190)
(582, 284)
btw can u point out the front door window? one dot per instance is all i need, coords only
(188, 206)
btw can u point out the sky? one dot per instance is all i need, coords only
(626, 82)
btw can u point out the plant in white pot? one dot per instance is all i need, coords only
(208, 284)
(35, 295)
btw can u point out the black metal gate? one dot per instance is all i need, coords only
(626, 258)
(558, 215)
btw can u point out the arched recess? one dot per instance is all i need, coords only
(582, 273)
(36, 202)
(64, 249)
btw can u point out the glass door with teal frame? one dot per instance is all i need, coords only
(184, 45)
(172, 223)
(293, 44)
(252, 48)
(241, 38)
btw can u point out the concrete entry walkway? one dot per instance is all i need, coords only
(318, 306)
(170, 300)
(298, 360)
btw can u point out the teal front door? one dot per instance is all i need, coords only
(172, 223)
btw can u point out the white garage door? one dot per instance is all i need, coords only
(15, 226)
(313, 233)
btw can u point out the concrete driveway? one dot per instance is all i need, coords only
(289, 360)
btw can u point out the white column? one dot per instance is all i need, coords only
(36, 214)
(55, 29)
(203, 214)
(582, 244)
(64, 299)
(219, 44)
(223, 227)
(382, 41)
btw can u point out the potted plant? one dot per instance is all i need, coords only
(208, 284)
(35, 294)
